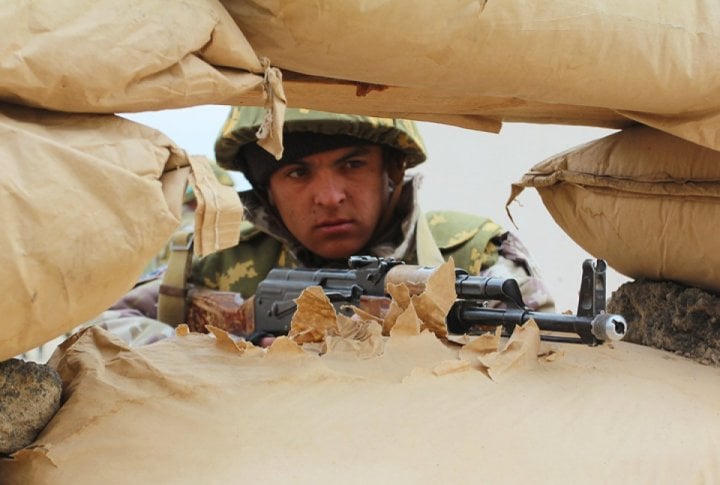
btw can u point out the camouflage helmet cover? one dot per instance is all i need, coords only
(242, 124)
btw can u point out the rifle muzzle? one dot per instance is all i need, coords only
(607, 326)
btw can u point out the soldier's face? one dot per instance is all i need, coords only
(332, 201)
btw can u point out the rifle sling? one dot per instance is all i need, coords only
(172, 304)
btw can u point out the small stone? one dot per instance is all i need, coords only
(29, 397)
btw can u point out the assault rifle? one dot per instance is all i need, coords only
(367, 277)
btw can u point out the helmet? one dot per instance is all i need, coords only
(306, 132)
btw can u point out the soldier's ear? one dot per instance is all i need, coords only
(395, 164)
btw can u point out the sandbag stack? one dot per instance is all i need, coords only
(642, 199)
(89, 197)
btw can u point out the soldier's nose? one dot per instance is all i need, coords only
(329, 192)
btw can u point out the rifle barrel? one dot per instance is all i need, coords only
(470, 317)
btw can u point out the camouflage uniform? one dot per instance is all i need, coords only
(476, 244)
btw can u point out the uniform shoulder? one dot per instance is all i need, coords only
(240, 268)
(453, 228)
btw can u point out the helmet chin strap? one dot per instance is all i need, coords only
(396, 174)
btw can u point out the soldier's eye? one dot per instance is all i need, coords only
(296, 172)
(354, 163)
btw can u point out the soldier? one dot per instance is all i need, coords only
(341, 189)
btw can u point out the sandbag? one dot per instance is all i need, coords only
(105, 57)
(645, 201)
(204, 409)
(87, 201)
(477, 62)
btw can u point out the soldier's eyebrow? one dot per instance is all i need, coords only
(356, 151)
(299, 161)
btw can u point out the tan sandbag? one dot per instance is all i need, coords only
(474, 62)
(196, 409)
(107, 56)
(645, 201)
(218, 211)
(87, 201)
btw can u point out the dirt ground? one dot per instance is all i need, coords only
(672, 317)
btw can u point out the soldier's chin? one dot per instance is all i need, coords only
(338, 250)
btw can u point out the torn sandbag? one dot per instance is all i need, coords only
(417, 413)
(109, 57)
(478, 62)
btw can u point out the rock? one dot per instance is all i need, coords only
(672, 317)
(29, 397)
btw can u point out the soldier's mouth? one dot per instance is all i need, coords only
(335, 226)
